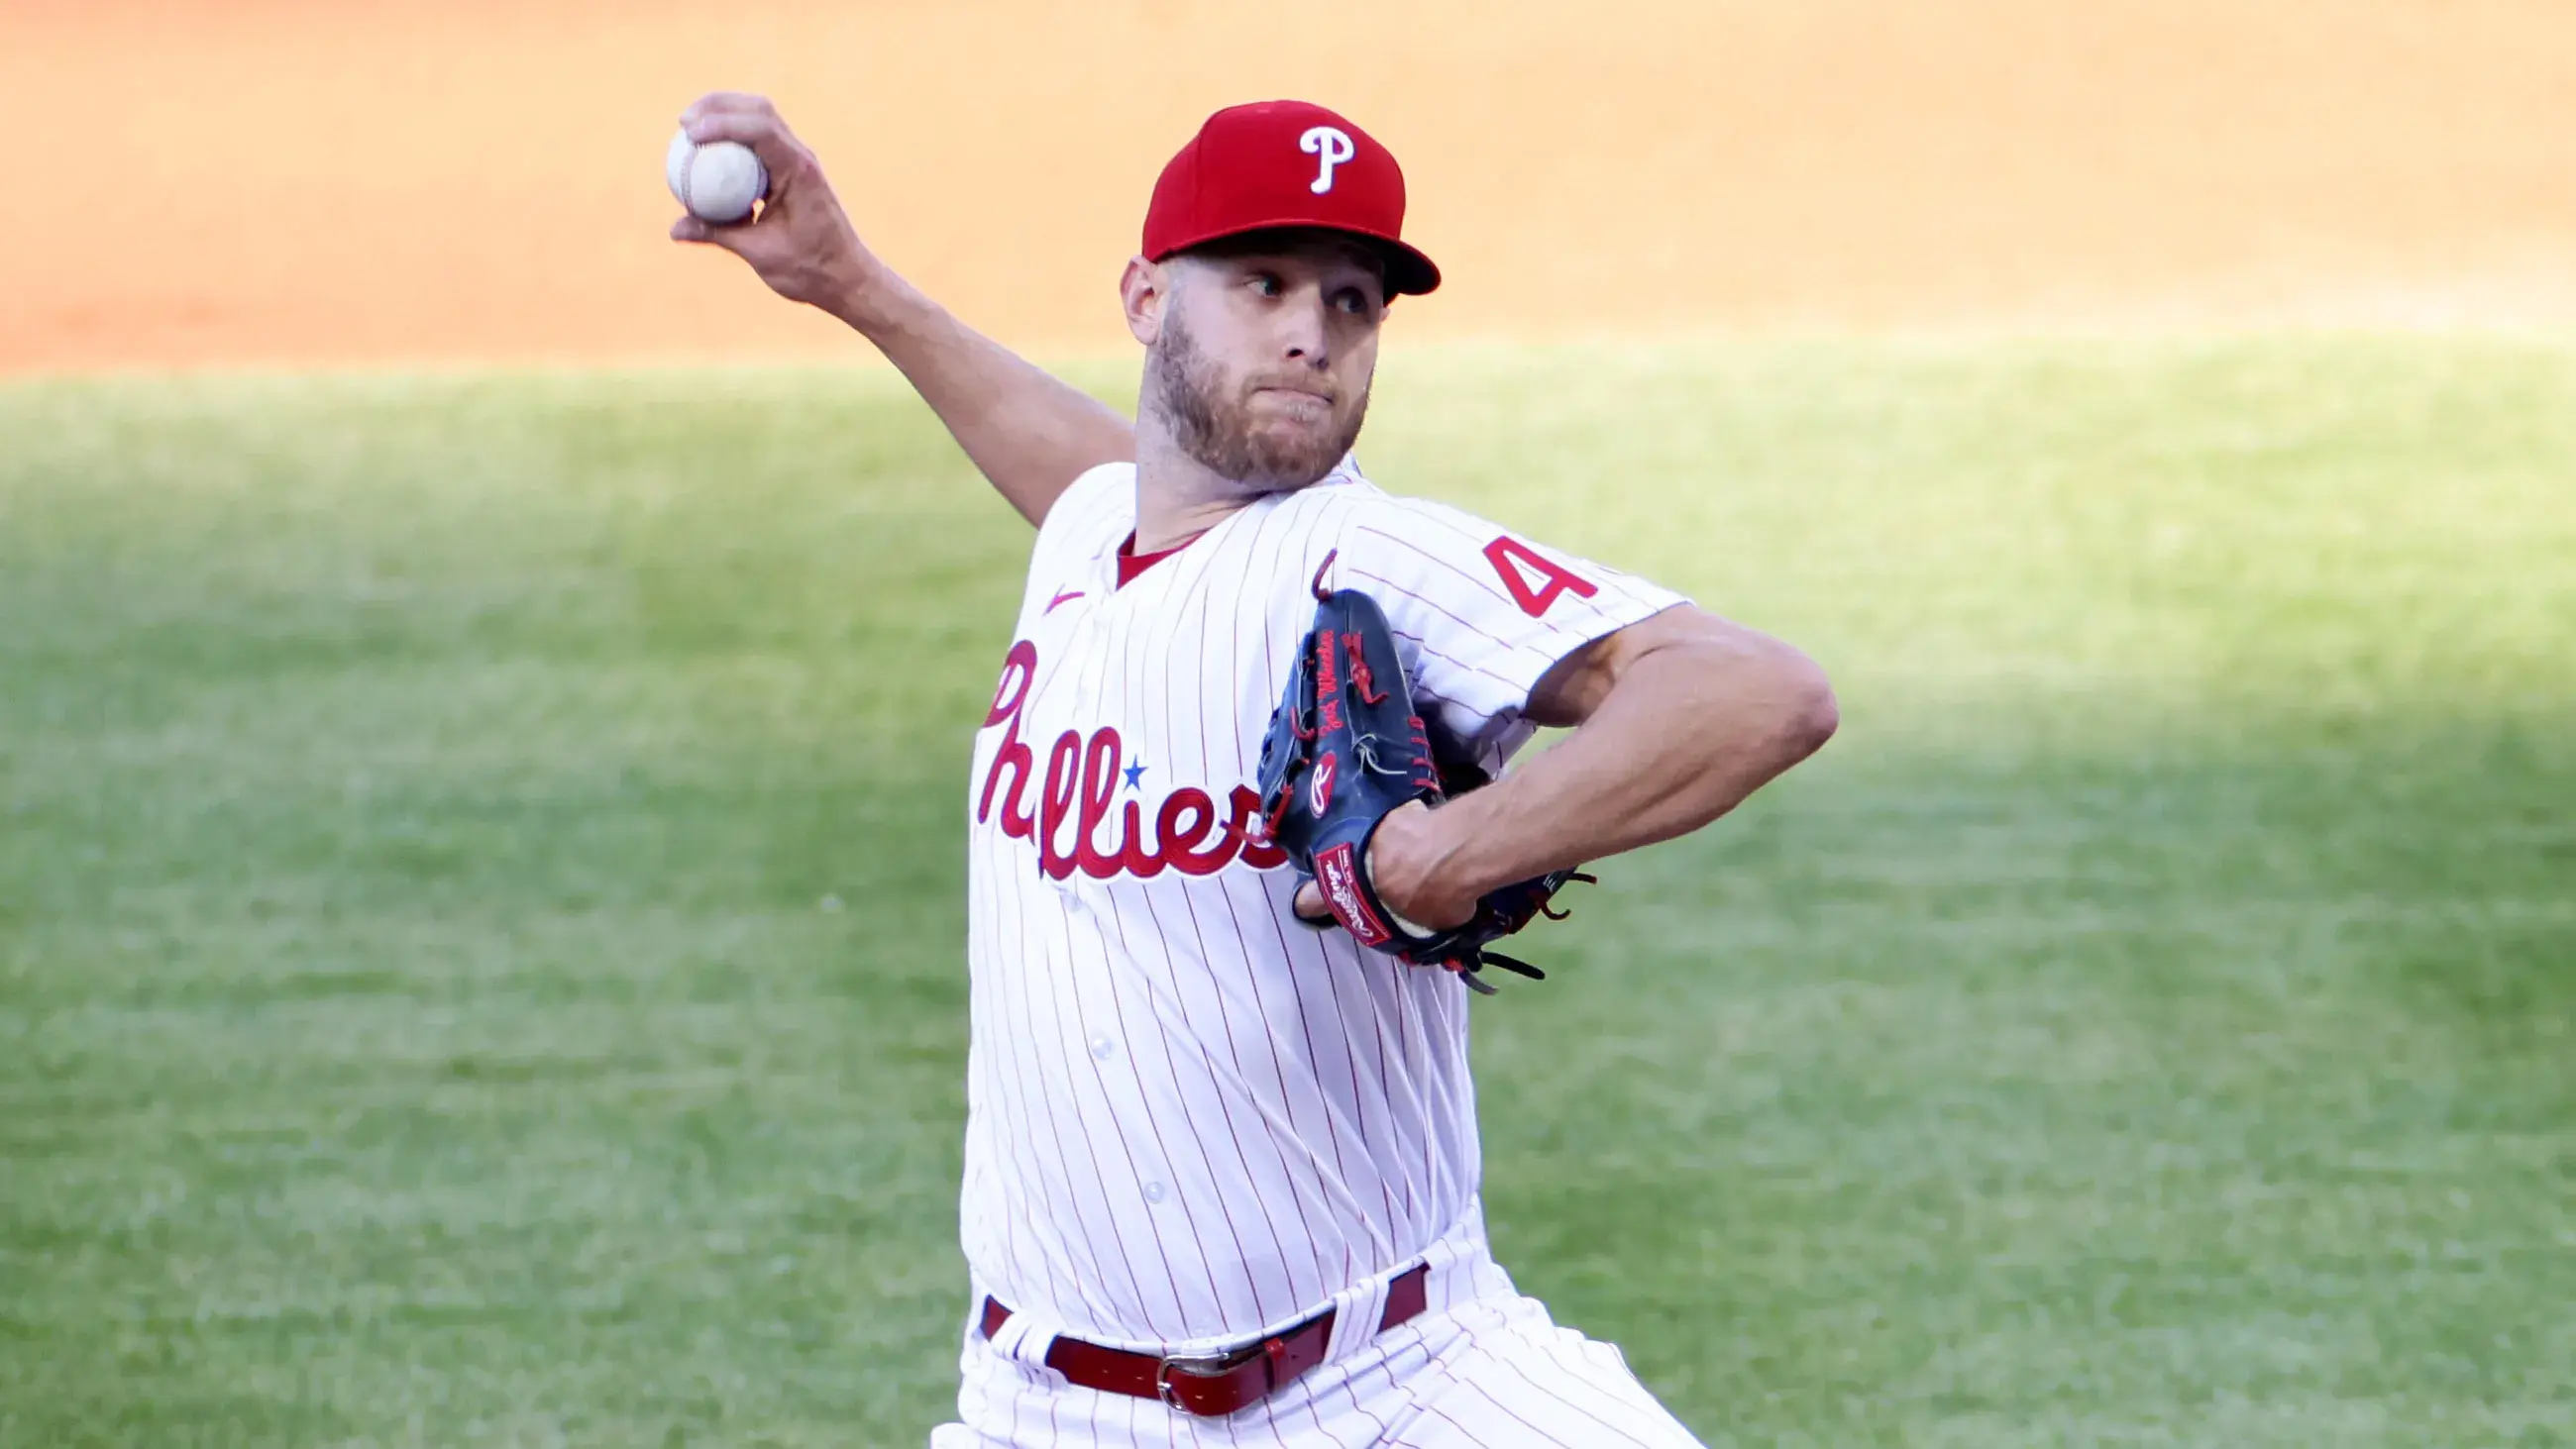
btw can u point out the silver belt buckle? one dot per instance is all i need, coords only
(1196, 1365)
(1201, 1368)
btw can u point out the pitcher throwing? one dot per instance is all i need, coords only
(1221, 1156)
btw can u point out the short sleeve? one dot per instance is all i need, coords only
(1103, 497)
(1481, 612)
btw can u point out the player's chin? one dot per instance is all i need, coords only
(1284, 458)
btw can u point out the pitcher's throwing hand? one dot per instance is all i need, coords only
(801, 243)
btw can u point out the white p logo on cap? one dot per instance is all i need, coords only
(1332, 145)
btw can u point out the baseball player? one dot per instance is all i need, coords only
(1221, 1181)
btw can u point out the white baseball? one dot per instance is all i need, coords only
(718, 181)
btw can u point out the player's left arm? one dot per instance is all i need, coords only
(1677, 718)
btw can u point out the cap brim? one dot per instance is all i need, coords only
(1408, 271)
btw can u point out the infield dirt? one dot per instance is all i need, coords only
(290, 182)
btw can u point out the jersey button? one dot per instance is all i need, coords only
(1102, 1047)
(1153, 1192)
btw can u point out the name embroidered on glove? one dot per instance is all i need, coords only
(1338, 875)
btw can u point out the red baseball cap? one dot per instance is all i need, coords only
(1285, 163)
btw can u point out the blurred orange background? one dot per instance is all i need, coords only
(297, 183)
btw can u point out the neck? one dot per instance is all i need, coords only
(1177, 497)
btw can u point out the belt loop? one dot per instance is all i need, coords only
(1020, 1341)
(1355, 1318)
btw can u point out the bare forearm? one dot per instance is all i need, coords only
(1688, 732)
(1029, 432)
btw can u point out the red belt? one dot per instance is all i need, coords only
(1213, 1385)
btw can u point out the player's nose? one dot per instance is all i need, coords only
(1304, 330)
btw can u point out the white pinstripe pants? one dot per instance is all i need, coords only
(1483, 1368)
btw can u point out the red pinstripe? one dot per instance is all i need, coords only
(1173, 1278)
(1225, 1020)
(1332, 981)
(1058, 1218)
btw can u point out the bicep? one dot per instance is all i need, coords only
(1574, 687)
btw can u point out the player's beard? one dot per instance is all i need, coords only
(1213, 423)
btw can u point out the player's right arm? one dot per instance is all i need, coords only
(1030, 432)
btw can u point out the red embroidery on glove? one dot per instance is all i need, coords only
(1337, 872)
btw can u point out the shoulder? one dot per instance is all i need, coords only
(1420, 548)
(1392, 525)
(1444, 572)
(1102, 500)
(1392, 537)
(1347, 511)
(1106, 487)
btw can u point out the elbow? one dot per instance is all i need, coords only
(1775, 704)
(1808, 712)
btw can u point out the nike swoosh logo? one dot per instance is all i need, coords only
(1060, 598)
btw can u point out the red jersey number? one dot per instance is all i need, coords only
(1534, 582)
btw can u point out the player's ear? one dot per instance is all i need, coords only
(1145, 289)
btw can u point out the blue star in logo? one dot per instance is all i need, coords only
(1135, 772)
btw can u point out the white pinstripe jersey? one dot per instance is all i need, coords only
(1191, 1120)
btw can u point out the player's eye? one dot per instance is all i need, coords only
(1268, 284)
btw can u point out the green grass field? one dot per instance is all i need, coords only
(481, 928)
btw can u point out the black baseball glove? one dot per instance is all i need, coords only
(1346, 746)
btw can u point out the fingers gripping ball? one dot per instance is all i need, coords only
(717, 182)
